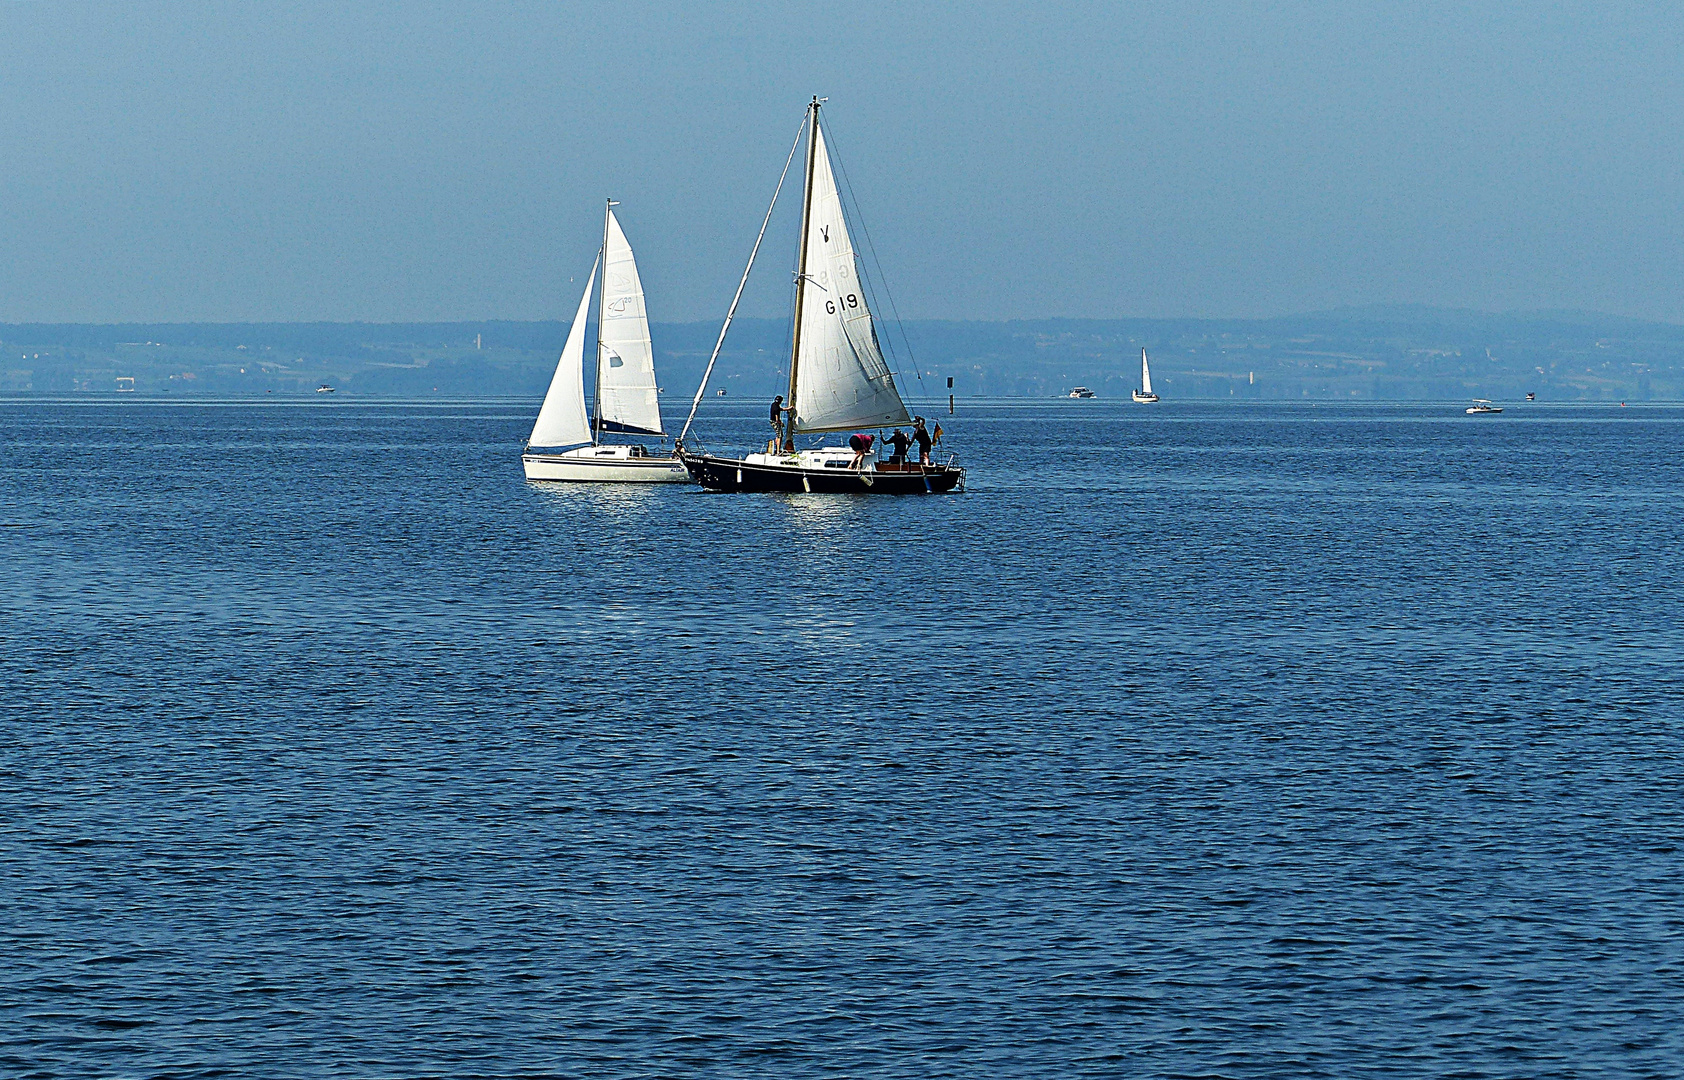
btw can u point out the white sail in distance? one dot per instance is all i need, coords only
(841, 379)
(562, 420)
(627, 398)
(1145, 374)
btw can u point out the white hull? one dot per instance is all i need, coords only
(605, 465)
(1144, 399)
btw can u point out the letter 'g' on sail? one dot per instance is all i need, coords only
(844, 382)
(562, 420)
(626, 381)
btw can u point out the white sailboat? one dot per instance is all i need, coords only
(1144, 395)
(627, 401)
(838, 379)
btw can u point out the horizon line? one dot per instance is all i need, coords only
(1390, 312)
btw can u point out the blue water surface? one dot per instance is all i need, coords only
(1192, 740)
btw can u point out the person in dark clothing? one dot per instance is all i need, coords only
(778, 412)
(922, 437)
(901, 443)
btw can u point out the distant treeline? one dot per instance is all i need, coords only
(1381, 353)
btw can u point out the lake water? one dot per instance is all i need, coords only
(1193, 740)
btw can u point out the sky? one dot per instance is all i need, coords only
(413, 162)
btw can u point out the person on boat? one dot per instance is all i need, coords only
(778, 413)
(922, 436)
(861, 446)
(900, 441)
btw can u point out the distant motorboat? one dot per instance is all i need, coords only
(324, 388)
(1144, 395)
(1481, 405)
(1531, 397)
(1081, 392)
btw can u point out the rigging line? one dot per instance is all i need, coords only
(859, 215)
(702, 389)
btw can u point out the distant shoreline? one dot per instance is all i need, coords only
(1385, 354)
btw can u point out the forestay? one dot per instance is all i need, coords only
(562, 420)
(841, 379)
(626, 380)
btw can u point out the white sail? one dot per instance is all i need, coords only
(626, 383)
(841, 379)
(562, 420)
(1145, 374)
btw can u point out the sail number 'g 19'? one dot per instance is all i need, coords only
(849, 301)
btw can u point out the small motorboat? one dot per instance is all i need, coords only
(1481, 405)
(1081, 392)
(1531, 397)
(324, 388)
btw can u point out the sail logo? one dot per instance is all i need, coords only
(824, 231)
(620, 306)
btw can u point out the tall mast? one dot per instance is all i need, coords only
(801, 269)
(601, 296)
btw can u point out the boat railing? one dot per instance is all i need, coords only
(916, 466)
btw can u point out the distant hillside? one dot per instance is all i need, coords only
(1375, 353)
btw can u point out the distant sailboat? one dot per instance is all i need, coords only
(1144, 395)
(838, 379)
(627, 401)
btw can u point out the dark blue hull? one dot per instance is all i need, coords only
(732, 474)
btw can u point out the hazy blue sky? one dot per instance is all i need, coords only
(409, 162)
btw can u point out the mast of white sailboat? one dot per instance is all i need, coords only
(801, 270)
(601, 298)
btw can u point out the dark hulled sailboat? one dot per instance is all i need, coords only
(838, 379)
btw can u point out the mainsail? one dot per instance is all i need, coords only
(562, 420)
(1145, 374)
(841, 380)
(626, 392)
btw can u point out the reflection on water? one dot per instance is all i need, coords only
(821, 517)
(628, 502)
